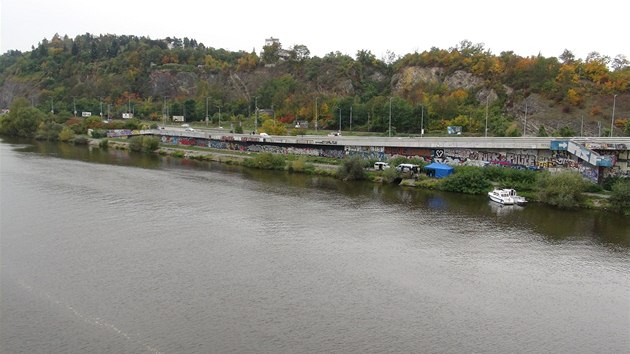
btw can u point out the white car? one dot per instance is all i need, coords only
(381, 165)
(185, 125)
(335, 134)
(189, 129)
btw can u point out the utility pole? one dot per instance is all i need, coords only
(100, 99)
(582, 126)
(74, 105)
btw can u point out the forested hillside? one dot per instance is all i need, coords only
(466, 86)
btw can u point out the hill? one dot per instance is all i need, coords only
(464, 86)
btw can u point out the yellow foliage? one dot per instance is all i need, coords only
(574, 97)
(273, 127)
(459, 94)
(567, 74)
(66, 134)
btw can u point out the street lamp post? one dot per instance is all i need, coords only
(525, 124)
(207, 111)
(219, 124)
(612, 122)
(350, 117)
(74, 105)
(100, 100)
(390, 116)
(339, 119)
(164, 112)
(422, 121)
(316, 113)
(256, 117)
(486, 132)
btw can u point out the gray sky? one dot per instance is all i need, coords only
(324, 26)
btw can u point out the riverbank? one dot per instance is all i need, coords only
(325, 167)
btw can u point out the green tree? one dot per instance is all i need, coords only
(22, 119)
(66, 134)
(352, 169)
(467, 180)
(564, 189)
(620, 198)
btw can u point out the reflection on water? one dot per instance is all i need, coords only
(552, 223)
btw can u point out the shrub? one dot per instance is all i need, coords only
(620, 198)
(511, 177)
(103, 144)
(238, 129)
(352, 169)
(135, 143)
(389, 175)
(562, 189)
(300, 165)
(66, 134)
(466, 180)
(150, 144)
(267, 161)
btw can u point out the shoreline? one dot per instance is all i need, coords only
(594, 201)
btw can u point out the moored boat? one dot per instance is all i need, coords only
(520, 200)
(501, 196)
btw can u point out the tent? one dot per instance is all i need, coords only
(438, 170)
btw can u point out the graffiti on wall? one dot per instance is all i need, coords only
(366, 152)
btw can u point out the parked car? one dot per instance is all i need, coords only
(380, 166)
(407, 167)
(185, 125)
(189, 129)
(335, 134)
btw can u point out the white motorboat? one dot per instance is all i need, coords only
(520, 200)
(501, 196)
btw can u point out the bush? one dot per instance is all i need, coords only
(562, 189)
(300, 165)
(467, 180)
(267, 161)
(352, 169)
(511, 177)
(150, 144)
(238, 129)
(620, 198)
(66, 134)
(49, 131)
(135, 143)
(390, 175)
(103, 144)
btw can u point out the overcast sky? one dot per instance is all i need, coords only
(525, 27)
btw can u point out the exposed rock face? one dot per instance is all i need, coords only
(463, 80)
(166, 83)
(413, 75)
(487, 94)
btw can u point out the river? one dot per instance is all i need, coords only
(115, 252)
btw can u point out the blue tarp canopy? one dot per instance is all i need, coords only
(439, 170)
